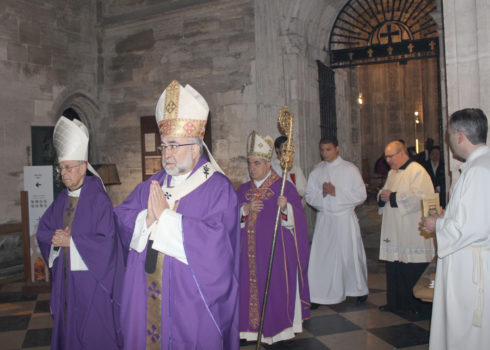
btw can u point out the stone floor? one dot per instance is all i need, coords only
(25, 322)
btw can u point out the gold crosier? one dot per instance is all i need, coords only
(286, 124)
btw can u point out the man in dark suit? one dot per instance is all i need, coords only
(435, 168)
(424, 155)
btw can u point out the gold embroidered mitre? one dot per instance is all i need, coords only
(260, 146)
(181, 112)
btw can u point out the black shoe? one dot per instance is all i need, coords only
(244, 342)
(362, 299)
(314, 306)
(384, 308)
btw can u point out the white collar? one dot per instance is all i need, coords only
(334, 162)
(75, 193)
(475, 154)
(178, 179)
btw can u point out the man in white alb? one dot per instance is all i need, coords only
(461, 308)
(337, 267)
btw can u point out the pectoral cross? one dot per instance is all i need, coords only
(206, 170)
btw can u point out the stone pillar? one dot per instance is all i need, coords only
(467, 50)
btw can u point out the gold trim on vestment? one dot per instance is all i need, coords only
(263, 193)
(68, 221)
(171, 124)
(154, 306)
(172, 93)
(182, 127)
(154, 302)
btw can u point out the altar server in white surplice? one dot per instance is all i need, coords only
(337, 267)
(461, 308)
(406, 249)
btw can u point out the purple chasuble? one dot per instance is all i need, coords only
(199, 301)
(90, 316)
(290, 266)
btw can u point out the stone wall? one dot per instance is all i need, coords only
(247, 58)
(144, 46)
(110, 60)
(47, 54)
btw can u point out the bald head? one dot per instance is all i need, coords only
(396, 154)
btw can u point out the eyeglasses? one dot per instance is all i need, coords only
(172, 147)
(388, 156)
(67, 168)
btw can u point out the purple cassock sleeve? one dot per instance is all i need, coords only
(200, 299)
(51, 220)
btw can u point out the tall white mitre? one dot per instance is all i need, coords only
(260, 146)
(70, 140)
(183, 112)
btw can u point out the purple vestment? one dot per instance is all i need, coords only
(199, 301)
(290, 265)
(90, 317)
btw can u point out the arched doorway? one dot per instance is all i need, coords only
(390, 49)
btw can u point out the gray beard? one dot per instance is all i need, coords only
(178, 170)
(172, 171)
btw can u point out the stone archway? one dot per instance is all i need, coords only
(389, 52)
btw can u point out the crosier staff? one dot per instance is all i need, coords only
(286, 123)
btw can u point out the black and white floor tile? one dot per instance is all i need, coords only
(25, 323)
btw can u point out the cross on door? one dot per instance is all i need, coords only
(390, 33)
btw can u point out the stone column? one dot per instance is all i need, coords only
(467, 50)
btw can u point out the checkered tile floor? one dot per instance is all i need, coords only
(25, 323)
(349, 326)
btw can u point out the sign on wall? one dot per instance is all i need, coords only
(38, 182)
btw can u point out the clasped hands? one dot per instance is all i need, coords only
(256, 205)
(328, 188)
(61, 238)
(157, 203)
